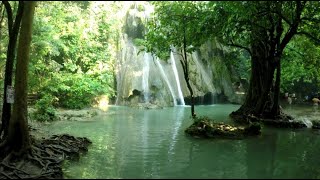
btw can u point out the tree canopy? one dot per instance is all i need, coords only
(262, 28)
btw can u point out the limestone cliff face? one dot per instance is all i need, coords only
(142, 78)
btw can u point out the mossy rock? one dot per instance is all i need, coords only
(208, 129)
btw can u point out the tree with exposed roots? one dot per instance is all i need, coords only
(18, 140)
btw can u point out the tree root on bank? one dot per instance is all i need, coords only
(281, 121)
(44, 159)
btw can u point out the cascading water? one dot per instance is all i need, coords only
(174, 68)
(307, 122)
(145, 76)
(204, 74)
(121, 66)
(164, 76)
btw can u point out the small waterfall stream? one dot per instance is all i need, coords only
(174, 68)
(122, 67)
(307, 122)
(145, 76)
(164, 76)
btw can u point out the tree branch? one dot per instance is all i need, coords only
(282, 17)
(240, 46)
(310, 19)
(17, 21)
(313, 38)
(10, 15)
(293, 29)
(263, 13)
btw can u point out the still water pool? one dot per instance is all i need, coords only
(136, 143)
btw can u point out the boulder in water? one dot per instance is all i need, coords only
(203, 127)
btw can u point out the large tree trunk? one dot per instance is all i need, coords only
(264, 150)
(262, 94)
(18, 134)
(13, 29)
(262, 99)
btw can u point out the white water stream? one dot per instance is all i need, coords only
(145, 76)
(164, 76)
(174, 68)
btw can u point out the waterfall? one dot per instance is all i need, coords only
(164, 76)
(145, 77)
(122, 69)
(307, 122)
(205, 76)
(181, 99)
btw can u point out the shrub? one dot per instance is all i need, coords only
(45, 110)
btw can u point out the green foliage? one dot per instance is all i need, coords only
(246, 23)
(138, 41)
(45, 110)
(172, 21)
(71, 56)
(75, 91)
(300, 67)
(238, 62)
(70, 36)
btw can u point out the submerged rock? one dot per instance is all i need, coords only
(208, 129)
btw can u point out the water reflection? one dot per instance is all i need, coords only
(260, 156)
(178, 118)
(134, 143)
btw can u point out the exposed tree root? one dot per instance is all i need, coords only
(281, 121)
(44, 159)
